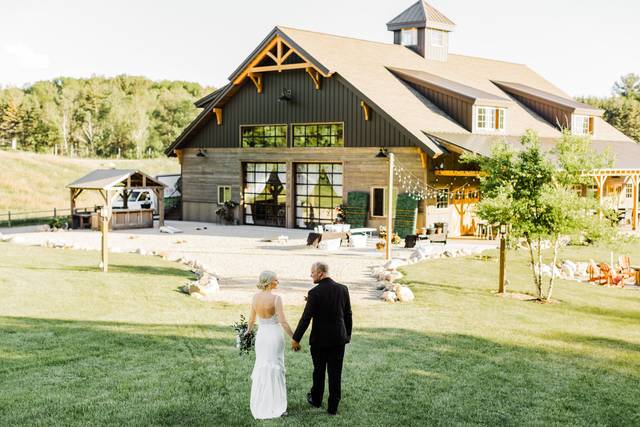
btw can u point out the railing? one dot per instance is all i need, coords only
(19, 218)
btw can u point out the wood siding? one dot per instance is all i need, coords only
(459, 110)
(334, 102)
(201, 176)
(557, 116)
(438, 53)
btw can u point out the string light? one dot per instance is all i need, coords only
(418, 190)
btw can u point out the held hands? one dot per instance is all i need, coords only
(295, 345)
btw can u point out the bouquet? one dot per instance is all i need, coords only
(244, 341)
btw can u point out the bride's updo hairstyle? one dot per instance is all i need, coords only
(266, 278)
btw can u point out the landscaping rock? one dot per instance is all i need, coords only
(394, 264)
(405, 294)
(169, 229)
(389, 296)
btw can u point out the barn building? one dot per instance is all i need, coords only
(302, 120)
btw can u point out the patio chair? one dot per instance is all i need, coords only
(625, 266)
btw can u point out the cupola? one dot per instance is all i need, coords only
(423, 29)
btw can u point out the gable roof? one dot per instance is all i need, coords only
(420, 15)
(104, 179)
(546, 97)
(468, 93)
(368, 68)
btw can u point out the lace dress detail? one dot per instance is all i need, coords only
(268, 385)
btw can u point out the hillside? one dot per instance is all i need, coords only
(35, 182)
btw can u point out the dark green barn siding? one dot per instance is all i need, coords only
(334, 102)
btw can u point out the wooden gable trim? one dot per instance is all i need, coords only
(218, 113)
(365, 110)
(279, 60)
(256, 78)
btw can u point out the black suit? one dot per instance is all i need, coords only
(329, 306)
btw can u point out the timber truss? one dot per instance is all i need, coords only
(278, 55)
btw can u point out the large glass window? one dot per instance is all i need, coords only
(409, 37)
(264, 136)
(318, 193)
(265, 193)
(318, 135)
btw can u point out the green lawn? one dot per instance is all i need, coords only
(78, 347)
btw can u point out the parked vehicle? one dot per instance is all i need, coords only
(138, 199)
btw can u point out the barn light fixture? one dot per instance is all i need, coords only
(201, 153)
(382, 154)
(285, 95)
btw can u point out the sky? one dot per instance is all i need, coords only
(582, 46)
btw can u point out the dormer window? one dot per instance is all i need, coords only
(409, 37)
(582, 125)
(490, 119)
(437, 37)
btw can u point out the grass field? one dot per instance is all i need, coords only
(78, 347)
(37, 182)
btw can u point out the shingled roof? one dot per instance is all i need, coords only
(366, 65)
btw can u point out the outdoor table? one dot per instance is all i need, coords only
(314, 239)
(363, 230)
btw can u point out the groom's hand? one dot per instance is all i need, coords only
(295, 345)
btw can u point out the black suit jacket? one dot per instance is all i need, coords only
(329, 306)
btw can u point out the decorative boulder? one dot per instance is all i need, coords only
(392, 276)
(389, 296)
(394, 264)
(567, 272)
(405, 294)
(209, 286)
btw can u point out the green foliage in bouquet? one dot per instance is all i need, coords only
(244, 341)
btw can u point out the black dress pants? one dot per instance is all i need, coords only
(327, 359)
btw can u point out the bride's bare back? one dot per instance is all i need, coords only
(265, 305)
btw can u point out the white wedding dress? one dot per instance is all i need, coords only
(268, 387)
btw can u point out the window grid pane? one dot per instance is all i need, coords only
(264, 136)
(317, 201)
(318, 135)
(264, 193)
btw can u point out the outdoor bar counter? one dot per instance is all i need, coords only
(123, 219)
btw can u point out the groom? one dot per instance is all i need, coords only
(329, 306)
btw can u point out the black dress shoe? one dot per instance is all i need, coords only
(311, 402)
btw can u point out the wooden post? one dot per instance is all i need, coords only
(425, 174)
(9, 218)
(160, 197)
(600, 180)
(72, 202)
(105, 217)
(290, 215)
(634, 221)
(389, 209)
(503, 263)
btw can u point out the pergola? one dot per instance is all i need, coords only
(630, 175)
(109, 183)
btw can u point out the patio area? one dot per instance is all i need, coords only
(237, 255)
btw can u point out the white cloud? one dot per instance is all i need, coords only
(26, 56)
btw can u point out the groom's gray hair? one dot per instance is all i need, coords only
(321, 267)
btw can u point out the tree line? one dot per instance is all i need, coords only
(622, 109)
(124, 116)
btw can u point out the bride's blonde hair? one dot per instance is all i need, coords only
(266, 278)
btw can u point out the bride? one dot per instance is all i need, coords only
(268, 388)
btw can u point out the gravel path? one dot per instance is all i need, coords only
(237, 255)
